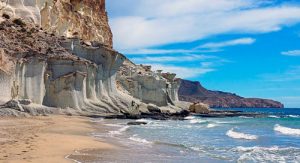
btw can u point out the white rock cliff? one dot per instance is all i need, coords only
(78, 70)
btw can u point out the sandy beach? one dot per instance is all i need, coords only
(46, 139)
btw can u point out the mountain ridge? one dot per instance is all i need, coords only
(193, 91)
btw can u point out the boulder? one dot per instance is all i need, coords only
(153, 108)
(25, 101)
(199, 108)
(14, 104)
(136, 123)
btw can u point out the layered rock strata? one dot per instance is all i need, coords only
(86, 19)
(72, 74)
(58, 54)
(148, 86)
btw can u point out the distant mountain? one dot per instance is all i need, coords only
(194, 92)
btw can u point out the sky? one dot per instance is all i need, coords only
(247, 47)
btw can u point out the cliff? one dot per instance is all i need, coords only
(57, 56)
(86, 19)
(195, 92)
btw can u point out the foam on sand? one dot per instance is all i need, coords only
(239, 135)
(286, 130)
(119, 132)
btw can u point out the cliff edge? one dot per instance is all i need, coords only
(56, 56)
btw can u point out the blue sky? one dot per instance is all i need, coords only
(249, 47)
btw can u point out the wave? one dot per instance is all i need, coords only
(97, 120)
(286, 130)
(144, 120)
(113, 125)
(171, 144)
(211, 125)
(139, 140)
(294, 116)
(119, 132)
(189, 117)
(239, 135)
(273, 116)
(268, 154)
(194, 121)
(245, 117)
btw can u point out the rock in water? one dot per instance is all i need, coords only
(136, 123)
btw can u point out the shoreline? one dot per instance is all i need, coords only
(46, 139)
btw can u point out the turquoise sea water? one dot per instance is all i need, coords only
(274, 138)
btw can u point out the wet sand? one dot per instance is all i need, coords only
(46, 139)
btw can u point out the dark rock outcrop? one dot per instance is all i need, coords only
(194, 92)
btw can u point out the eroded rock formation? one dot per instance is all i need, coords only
(86, 19)
(69, 63)
(151, 87)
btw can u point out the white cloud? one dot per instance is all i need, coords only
(292, 53)
(185, 66)
(216, 45)
(182, 72)
(167, 51)
(150, 23)
(185, 58)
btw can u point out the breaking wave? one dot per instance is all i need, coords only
(268, 154)
(189, 117)
(194, 121)
(139, 140)
(211, 125)
(239, 135)
(273, 116)
(286, 130)
(119, 132)
(294, 116)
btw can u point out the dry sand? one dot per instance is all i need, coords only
(45, 139)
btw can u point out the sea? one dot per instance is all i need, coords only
(274, 137)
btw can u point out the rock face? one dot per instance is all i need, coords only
(151, 87)
(59, 72)
(86, 19)
(195, 92)
(69, 64)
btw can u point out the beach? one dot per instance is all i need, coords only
(46, 138)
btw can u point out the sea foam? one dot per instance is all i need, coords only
(239, 135)
(286, 130)
(211, 125)
(139, 140)
(194, 121)
(268, 154)
(189, 117)
(294, 116)
(119, 132)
